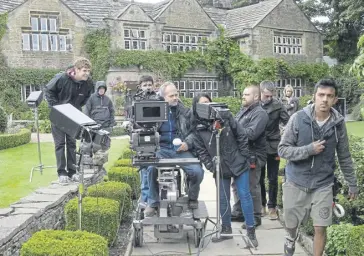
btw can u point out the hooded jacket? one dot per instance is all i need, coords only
(306, 169)
(100, 108)
(277, 114)
(63, 89)
(234, 153)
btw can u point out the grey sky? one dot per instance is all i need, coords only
(149, 1)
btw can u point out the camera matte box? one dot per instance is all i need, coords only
(69, 119)
(34, 99)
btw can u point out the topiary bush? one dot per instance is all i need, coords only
(117, 191)
(123, 162)
(60, 243)
(337, 239)
(126, 154)
(3, 120)
(99, 215)
(118, 131)
(127, 175)
(356, 241)
(14, 140)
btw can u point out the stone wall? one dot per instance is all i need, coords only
(43, 209)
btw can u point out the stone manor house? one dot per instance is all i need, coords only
(50, 34)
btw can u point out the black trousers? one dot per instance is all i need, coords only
(62, 141)
(272, 167)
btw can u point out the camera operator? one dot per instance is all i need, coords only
(277, 114)
(253, 119)
(177, 126)
(75, 87)
(234, 164)
(310, 141)
(100, 108)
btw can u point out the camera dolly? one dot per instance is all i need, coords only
(173, 213)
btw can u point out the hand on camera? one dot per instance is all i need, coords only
(183, 147)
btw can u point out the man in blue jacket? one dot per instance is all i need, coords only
(311, 138)
(177, 126)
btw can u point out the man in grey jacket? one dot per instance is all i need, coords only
(100, 108)
(253, 119)
(310, 140)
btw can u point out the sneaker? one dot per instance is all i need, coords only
(75, 177)
(273, 214)
(289, 247)
(257, 222)
(252, 237)
(225, 230)
(149, 212)
(63, 179)
(264, 211)
(237, 216)
(192, 204)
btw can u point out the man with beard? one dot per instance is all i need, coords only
(253, 119)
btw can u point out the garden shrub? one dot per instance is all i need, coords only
(126, 154)
(123, 162)
(44, 111)
(60, 243)
(14, 140)
(117, 191)
(45, 126)
(3, 120)
(337, 239)
(118, 131)
(127, 175)
(99, 215)
(304, 99)
(356, 241)
(280, 192)
(308, 228)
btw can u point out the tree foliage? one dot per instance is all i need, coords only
(358, 66)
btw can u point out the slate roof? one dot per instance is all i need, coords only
(94, 11)
(248, 16)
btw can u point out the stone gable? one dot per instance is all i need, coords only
(186, 14)
(69, 26)
(134, 13)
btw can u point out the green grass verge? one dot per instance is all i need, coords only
(355, 128)
(16, 163)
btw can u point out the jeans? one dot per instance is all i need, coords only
(243, 189)
(194, 172)
(61, 140)
(144, 184)
(272, 169)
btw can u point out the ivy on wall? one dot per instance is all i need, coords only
(3, 22)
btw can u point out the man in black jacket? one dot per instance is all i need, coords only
(100, 108)
(74, 87)
(253, 119)
(277, 114)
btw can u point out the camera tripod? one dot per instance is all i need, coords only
(217, 129)
(39, 167)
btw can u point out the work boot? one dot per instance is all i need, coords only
(149, 212)
(257, 222)
(289, 247)
(193, 204)
(273, 214)
(225, 230)
(252, 237)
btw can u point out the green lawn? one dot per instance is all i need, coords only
(356, 128)
(16, 163)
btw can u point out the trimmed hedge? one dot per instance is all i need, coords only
(99, 215)
(3, 120)
(14, 140)
(126, 154)
(117, 191)
(123, 162)
(127, 175)
(337, 239)
(118, 131)
(356, 241)
(61, 243)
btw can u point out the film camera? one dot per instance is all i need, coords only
(213, 111)
(144, 136)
